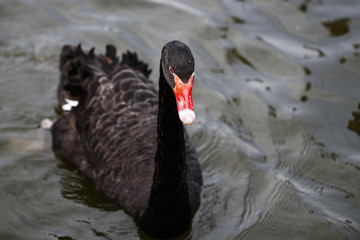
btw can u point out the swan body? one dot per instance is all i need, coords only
(127, 137)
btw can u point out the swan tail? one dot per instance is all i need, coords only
(80, 71)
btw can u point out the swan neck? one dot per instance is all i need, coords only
(169, 205)
(170, 155)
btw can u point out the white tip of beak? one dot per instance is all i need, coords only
(187, 116)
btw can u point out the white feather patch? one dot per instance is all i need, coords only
(69, 104)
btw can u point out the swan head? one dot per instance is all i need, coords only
(178, 67)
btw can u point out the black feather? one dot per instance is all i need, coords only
(110, 51)
(92, 53)
(131, 59)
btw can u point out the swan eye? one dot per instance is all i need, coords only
(171, 70)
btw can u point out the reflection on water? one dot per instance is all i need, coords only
(277, 127)
(338, 27)
(79, 189)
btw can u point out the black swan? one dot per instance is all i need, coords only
(127, 137)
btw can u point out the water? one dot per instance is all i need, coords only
(278, 115)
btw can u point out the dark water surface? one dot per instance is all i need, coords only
(278, 115)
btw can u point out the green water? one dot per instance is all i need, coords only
(277, 99)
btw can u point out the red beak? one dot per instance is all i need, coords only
(184, 100)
